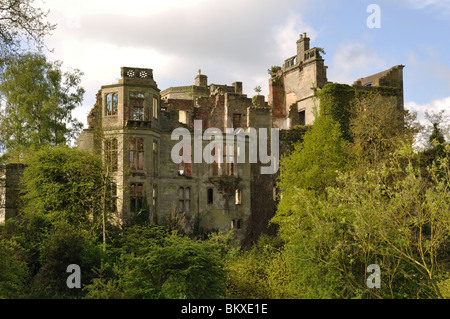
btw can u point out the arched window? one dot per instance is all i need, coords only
(111, 103)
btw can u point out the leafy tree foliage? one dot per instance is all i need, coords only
(63, 184)
(64, 246)
(314, 163)
(258, 273)
(21, 22)
(378, 128)
(382, 208)
(14, 272)
(392, 216)
(156, 264)
(437, 141)
(39, 99)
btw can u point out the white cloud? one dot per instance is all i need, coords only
(442, 7)
(230, 41)
(113, 7)
(434, 106)
(353, 61)
(286, 35)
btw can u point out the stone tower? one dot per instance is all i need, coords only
(123, 128)
(292, 86)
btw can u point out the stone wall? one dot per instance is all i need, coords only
(294, 85)
(10, 175)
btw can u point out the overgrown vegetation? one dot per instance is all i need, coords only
(354, 192)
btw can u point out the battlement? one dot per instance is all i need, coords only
(137, 76)
(304, 55)
(392, 77)
(201, 88)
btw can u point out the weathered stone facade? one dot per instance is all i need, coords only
(131, 127)
(134, 119)
(292, 86)
(9, 190)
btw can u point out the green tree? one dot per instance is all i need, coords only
(391, 216)
(64, 246)
(64, 183)
(154, 264)
(314, 163)
(14, 271)
(22, 23)
(258, 273)
(378, 128)
(437, 141)
(38, 102)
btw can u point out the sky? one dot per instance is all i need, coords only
(239, 40)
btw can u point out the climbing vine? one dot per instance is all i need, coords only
(337, 99)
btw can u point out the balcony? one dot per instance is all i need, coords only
(138, 124)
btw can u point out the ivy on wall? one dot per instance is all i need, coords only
(288, 138)
(336, 100)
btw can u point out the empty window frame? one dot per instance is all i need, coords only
(155, 107)
(111, 103)
(111, 153)
(136, 197)
(236, 121)
(154, 198)
(302, 117)
(215, 165)
(228, 161)
(238, 197)
(184, 200)
(210, 196)
(113, 197)
(137, 154)
(185, 169)
(182, 116)
(137, 108)
(236, 224)
(155, 157)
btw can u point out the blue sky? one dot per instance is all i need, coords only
(238, 40)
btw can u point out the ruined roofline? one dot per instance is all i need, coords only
(377, 76)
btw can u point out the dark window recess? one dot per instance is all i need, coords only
(137, 109)
(236, 120)
(185, 169)
(210, 196)
(137, 154)
(236, 224)
(136, 197)
(302, 118)
(155, 157)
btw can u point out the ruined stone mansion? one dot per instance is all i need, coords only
(131, 125)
